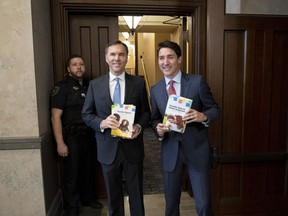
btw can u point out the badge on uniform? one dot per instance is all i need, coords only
(55, 90)
(83, 94)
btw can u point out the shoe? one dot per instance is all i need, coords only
(72, 212)
(94, 204)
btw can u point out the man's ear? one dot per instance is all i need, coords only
(180, 60)
(106, 59)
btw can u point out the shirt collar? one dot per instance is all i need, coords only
(176, 79)
(121, 76)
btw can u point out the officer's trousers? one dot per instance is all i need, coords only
(79, 170)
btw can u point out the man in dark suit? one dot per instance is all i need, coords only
(117, 155)
(189, 149)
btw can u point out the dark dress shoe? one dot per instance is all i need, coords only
(94, 204)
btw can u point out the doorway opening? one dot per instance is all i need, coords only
(142, 41)
(86, 29)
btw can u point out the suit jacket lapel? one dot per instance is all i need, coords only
(105, 87)
(184, 85)
(163, 91)
(162, 96)
(128, 86)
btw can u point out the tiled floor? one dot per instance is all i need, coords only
(155, 205)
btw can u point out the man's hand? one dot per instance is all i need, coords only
(162, 129)
(62, 150)
(136, 131)
(110, 122)
(193, 115)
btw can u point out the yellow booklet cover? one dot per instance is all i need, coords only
(176, 107)
(125, 114)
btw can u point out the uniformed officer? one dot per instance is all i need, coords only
(75, 141)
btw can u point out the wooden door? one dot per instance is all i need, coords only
(88, 36)
(248, 69)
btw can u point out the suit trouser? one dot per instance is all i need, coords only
(173, 186)
(113, 175)
(79, 170)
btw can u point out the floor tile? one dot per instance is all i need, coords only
(155, 205)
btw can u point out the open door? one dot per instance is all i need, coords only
(88, 36)
(247, 65)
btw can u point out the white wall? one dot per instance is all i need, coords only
(18, 110)
(26, 79)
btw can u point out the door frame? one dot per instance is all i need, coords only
(196, 9)
(61, 9)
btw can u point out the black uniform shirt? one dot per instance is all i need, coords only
(69, 96)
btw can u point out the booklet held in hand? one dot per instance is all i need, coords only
(125, 114)
(176, 107)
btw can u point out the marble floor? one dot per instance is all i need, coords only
(155, 205)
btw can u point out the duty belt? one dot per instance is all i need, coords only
(77, 129)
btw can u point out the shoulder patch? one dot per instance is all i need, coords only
(55, 90)
(75, 88)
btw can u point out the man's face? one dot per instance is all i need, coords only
(76, 68)
(116, 58)
(168, 62)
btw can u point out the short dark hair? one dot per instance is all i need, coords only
(72, 57)
(115, 43)
(169, 44)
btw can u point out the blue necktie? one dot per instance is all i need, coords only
(117, 92)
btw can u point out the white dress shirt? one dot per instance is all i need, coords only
(112, 83)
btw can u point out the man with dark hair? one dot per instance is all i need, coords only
(75, 141)
(117, 155)
(189, 149)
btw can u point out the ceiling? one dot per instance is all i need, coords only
(154, 24)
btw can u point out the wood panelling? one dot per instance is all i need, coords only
(233, 91)
(252, 178)
(88, 35)
(279, 89)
